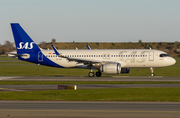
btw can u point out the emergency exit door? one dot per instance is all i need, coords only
(151, 56)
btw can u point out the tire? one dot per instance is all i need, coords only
(91, 74)
(98, 74)
(152, 74)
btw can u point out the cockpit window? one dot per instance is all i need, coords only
(164, 55)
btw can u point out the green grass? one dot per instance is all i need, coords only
(78, 82)
(6, 58)
(122, 94)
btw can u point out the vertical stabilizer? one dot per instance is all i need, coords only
(23, 42)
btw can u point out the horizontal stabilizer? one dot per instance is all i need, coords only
(16, 55)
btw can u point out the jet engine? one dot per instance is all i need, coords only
(113, 68)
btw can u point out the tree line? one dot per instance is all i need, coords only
(7, 47)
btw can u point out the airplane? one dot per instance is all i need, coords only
(108, 61)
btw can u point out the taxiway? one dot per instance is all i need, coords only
(76, 109)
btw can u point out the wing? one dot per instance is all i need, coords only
(79, 60)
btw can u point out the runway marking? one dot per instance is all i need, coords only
(9, 77)
(11, 89)
(139, 76)
(3, 88)
(90, 111)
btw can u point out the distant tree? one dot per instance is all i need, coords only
(41, 43)
(4, 49)
(163, 44)
(8, 44)
(140, 41)
(97, 43)
(176, 43)
(148, 46)
(170, 47)
(53, 40)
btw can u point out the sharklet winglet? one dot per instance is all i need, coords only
(88, 47)
(55, 50)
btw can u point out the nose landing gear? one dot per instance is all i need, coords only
(152, 72)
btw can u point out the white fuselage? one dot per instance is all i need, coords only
(128, 58)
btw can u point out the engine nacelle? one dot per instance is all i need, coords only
(125, 70)
(111, 68)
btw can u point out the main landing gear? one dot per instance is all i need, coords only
(98, 74)
(91, 74)
(152, 72)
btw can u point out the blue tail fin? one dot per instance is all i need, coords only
(23, 42)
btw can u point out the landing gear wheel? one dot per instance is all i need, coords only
(91, 74)
(152, 74)
(98, 74)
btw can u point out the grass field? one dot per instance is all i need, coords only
(122, 94)
(14, 67)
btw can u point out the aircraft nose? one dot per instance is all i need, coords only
(172, 61)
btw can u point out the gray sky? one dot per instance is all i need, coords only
(92, 20)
